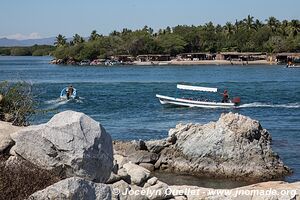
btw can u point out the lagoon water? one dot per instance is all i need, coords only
(123, 99)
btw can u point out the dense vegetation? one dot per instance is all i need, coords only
(36, 50)
(247, 35)
(16, 102)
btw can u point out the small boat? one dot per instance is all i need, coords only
(189, 102)
(85, 63)
(63, 94)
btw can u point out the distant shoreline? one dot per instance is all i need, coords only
(205, 62)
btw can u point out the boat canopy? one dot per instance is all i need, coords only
(197, 88)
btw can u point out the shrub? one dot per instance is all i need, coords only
(17, 104)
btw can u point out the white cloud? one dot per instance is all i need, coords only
(19, 36)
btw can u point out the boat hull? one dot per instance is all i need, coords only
(192, 103)
(63, 94)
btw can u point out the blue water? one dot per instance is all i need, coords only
(123, 99)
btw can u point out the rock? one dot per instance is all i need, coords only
(160, 191)
(235, 146)
(119, 189)
(128, 148)
(148, 166)
(121, 160)
(74, 188)
(124, 175)
(152, 181)
(136, 193)
(138, 175)
(134, 151)
(115, 167)
(6, 129)
(70, 142)
(113, 178)
(143, 157)
(156, 146)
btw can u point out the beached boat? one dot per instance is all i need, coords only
(189, 102)
(63, 94)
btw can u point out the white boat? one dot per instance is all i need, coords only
(197, 103)
(63, 94)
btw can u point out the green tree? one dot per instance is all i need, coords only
(94, 36)
(273, 23)
(294, 27)
(171, 43)
(249, 22)
(60, 41)
(77, 39)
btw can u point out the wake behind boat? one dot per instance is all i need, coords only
(189, 102)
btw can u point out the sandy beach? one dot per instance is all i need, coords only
(205, 62)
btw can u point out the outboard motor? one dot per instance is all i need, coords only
(236, 100)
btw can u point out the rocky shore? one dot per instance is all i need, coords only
(162, 63)
(73, 157)
(233, 147)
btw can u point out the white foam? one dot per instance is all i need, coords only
(264, 105)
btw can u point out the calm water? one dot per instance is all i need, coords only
(123, 98)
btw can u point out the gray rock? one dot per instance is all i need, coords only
(152, 181)
(143, 157)
(121, 160)
(120, 189)
(113, 178)
(71, 142)
(156, 146)
(234, 146)
(124, 175)
(136, 193)
(148, 166)
(74, 189)
(159, 191)
(134, 151)
(138, 175)
(6, 129)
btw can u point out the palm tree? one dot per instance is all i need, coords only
(60, 41)
(94, 36)
(273, 23)
(257, 24)
(249, 22)
(294, 27)
(284, 28)
(229, 29)
(77, 39)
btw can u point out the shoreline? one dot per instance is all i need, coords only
(205, 62)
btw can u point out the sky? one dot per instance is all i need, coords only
(31, 19)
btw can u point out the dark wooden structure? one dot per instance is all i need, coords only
(288, 58)
(241, 56)
(153, 57)
(196, 56)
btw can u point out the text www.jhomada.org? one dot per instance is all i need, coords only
(237, 193)
(214, 192)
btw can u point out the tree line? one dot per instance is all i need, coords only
(246, 35)
(35, 50)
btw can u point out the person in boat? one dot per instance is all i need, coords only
(225, 97)
(70, 91)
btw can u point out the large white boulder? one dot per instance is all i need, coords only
(235, 146)
(71, 142)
